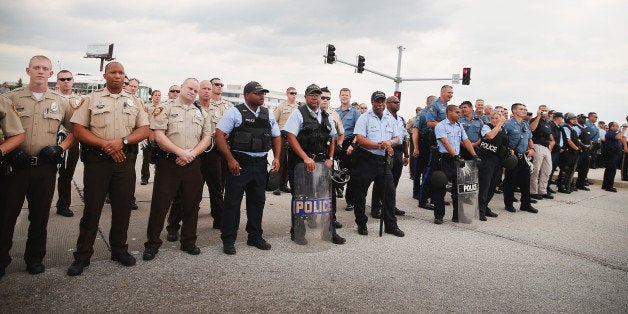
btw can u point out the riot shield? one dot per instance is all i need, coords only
(468, 187)
(312, 207)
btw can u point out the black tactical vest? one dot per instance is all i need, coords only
(542, 133)
(574, 137)
(253, 135)
(495, 146)
(314, 137)
(585, 135)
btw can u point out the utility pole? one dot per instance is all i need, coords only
(331, 58)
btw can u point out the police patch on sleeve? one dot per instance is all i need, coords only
(76, 103)
(14, 110)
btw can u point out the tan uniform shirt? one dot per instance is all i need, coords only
(111, 116)
(75, 102)
(10, 124)
(216, 110)
(337, 121)
(183, 126)
(283, 111)
(42, 118)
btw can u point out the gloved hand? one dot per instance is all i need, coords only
(460, 161)
(478, 160)
(18, 158)
(52, 154)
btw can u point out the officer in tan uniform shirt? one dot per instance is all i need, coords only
(147, 145)
(282, 112)
(109, 125)
(65, 80)
(183, 131)
(41, 112)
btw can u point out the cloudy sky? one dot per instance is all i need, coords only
(569, 55)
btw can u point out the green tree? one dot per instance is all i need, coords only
(19, 83)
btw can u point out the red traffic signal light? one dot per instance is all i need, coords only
(398, 95)
(466, 76)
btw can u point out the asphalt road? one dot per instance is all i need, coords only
(570, 257)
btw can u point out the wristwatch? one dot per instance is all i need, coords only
(125, 141)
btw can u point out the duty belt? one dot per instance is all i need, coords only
(35, 161)
(248, 159)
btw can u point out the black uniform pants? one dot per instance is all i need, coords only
(376, 195)
(426, 156)
(450, 167)
(36, 184)
(252, 180)
(489, 171)
(624, 167)
(518, 176)
(173, 180)
(146, 154)
(66, 173)
(610, 162)
(102, 176)
(369, 168)
(583, 167)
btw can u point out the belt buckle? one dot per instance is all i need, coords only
(34, 161)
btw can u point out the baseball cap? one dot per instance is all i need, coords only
(254, 87)
(313, 89)
(558, 114)
(378, 95)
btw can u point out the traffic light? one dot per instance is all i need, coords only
(331, 54)
(397, 94)
(466, 76)
(360, 64)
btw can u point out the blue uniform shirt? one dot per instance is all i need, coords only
(472, 127)
(377, 130)
(233, 118)
(294, 124)
(595, 132)
(421, 122)
(518, 133)
(401, 127)
(349, 118)
(454, 133)
(436, 111)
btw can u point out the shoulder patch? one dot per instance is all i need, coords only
(76, 103)
(158, 111)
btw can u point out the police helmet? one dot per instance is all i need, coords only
(438, 179)
(569, 115)
(510, 162)
(339, 177)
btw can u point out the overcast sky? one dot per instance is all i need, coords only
(570, 55)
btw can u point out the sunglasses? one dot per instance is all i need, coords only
(64, 79)
(325, 98)
(174, 91)
(293, 93)
(218, 84)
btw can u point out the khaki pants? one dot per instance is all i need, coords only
(542, 162)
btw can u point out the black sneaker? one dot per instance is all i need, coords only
(149, 254)
(363, 230)
(529, 209)
(489, 213)
(191, 249)
(438, 221)
(548, 196)
(35, 268)
(336, 239)
(399, 212)
(427, 206)
(259, 243)
(396, 232)
(337, 224)
(229, 248)
(77, 267)
(125, 258)
(65, 212)
(510, 208)
(536, 196)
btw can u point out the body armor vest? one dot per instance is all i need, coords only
(314, 137)
(253, 135)
(495, 146)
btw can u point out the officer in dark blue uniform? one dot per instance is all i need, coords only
(569, 157)
(449, 135)
(557, 120)
(310, 132)
(251, 131)
(377, 133)
(493, 149)
(520, 141)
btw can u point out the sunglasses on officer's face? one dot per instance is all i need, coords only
(65, 79)
(174, 91)
(325, 98)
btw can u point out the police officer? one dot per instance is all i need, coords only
(377, 133)
(155, 97)
(520, 141)
(340, 135)
(586, 145)
(109, 124)
(252, 130)
(400, 159)
(555, 125)
(65, 80)
(493, 149)
(542, 163)
(41, 112)
(569, 156)
(472, 125)
(183, 131)
(449, 135)
(310, 131)
(349, 116)
(423, 138)
(282, 112)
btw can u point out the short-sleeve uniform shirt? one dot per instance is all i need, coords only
(216, 110)
(454, 133)
(375, 129)
(184, 125)
(9, 121)
(233, 119)
(282, 112)
(41, 118)
(110, 116)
